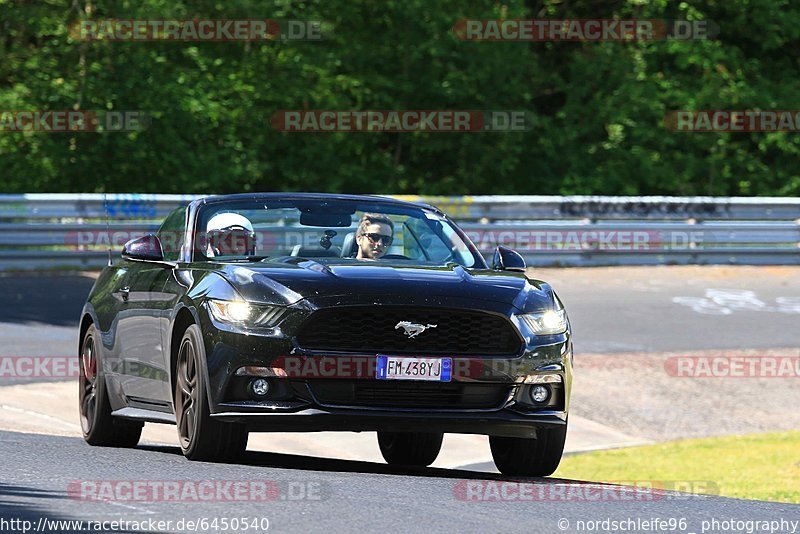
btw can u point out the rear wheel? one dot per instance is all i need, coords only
(201, 437)
(410, 448)
(529, 457)
(98, 425)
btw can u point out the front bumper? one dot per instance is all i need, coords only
(500, 423)
(298, 409)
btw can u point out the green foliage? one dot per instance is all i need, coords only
(598, 107)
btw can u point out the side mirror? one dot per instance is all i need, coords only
(506, 259)
(145, 248)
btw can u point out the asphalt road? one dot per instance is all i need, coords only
(55, 478)
(677, 308)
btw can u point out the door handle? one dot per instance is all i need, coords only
(125, 293)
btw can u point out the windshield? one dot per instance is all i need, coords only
(325, 230)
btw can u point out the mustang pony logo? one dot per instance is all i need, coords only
(413, 329)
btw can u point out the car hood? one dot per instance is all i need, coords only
(287, 283)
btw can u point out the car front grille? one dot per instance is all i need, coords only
(398, 394)
(376, 329)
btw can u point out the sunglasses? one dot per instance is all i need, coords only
(385, 239)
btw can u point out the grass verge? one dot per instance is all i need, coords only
(756, 466)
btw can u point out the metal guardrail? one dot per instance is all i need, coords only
(48, 230)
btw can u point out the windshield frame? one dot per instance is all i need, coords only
(359, 204)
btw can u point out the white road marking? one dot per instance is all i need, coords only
(115, 503)
(728, 301)
(66, 426)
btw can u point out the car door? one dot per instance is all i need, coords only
(141, 368)
(145, 361)
(110, 308)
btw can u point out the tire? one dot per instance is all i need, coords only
(410, 448)
(201, 437)
(537, 457)
(99, 427)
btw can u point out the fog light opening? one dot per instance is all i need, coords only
(540, 394)
(259, 387)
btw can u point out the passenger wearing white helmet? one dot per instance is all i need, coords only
(230, 234)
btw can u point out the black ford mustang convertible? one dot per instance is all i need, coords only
(311, 312)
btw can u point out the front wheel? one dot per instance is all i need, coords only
(410, 448)
(201, 437)
(537, 457)
(98, 425)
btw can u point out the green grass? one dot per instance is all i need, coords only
(757, 466)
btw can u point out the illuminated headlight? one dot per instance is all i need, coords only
(547, 323)
(239, 312)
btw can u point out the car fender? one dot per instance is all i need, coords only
(206, 285)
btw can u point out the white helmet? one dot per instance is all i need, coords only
(230, 234)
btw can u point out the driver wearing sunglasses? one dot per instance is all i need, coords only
(374, 236)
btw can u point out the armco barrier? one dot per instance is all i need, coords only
(39, 230)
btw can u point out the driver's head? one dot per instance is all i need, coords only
(230, 234)
(374, 235)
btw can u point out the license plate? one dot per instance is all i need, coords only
(400, 368)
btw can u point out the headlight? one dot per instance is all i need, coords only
(547, 323)
(244, 313)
